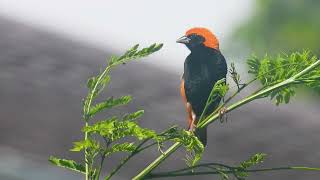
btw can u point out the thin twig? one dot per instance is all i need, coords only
(190, 173)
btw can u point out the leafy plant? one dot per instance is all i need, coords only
(272, 70)
(305, 74)
(104, 138)
(109, 136)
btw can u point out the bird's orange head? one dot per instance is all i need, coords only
(199, 36)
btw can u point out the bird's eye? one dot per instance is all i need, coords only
(193, 36)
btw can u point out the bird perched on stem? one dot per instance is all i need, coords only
(203, 67)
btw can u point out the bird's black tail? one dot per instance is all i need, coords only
(201, 133)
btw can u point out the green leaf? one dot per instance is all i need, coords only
(124, 147)
(189, 141)
(254, 64)
(134, 53)
(133, 116)
(128, 147)
(254, 160)
(88, 143)
(287, 97)
(91, 82)
(100, 84)
(109, 103)
(95, 85)
(112, 60)
(274, 69)
(218, 91)
(220, 88)
(130, 52)
(68, 164)
(114, 129)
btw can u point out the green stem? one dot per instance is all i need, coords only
(190, 173)
(157, 161)
(213, 117)
(246, 85)
(100, 168)
(199, 166)
(85, 155)
(123, 162)
(229, 99)
(103, 157)
(138, 150)
(86, 118)
(250, 98)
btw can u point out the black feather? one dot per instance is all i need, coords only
(202, 69)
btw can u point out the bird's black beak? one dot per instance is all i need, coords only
(183, 40)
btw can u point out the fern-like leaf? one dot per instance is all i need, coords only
(109, 103)
(68, 164)
(271, 70)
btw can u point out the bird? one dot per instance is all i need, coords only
(203, 67)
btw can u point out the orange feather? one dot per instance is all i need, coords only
(187, 105)
(210, 39)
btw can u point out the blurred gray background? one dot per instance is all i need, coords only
(49, 48)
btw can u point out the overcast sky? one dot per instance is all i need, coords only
(118, 24)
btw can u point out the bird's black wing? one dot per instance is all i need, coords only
(202, 71)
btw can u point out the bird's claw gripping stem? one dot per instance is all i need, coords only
(223, 114)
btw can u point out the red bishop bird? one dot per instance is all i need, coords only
(203, 67)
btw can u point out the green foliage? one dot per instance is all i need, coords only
(69, 164)
(113, 129)
(220, 89)
(109, 103)
(85, 144)
(285, 25)
(245, 165)
(134, 53)
(279, 76)
(97, 83)
(133, 116)
(192, 144)
(254, 160)
(271, 70)
(124, 147)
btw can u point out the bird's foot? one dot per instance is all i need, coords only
(223, 115)
(192, 126)
(160, 146)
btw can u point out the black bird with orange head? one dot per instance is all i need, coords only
(203, 67)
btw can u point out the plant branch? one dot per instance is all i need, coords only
(198, 166)
(101, 164)
(86, 117)
(157, 161)
(190, 173)
(211, 118)
(138, 150)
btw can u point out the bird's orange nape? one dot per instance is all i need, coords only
(210, 39)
